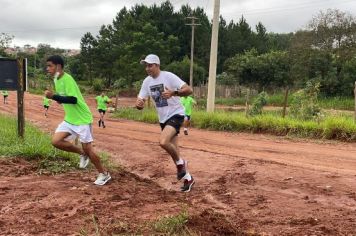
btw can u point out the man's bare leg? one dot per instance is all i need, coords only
(168, 141)
(94, 158)
(58, 141)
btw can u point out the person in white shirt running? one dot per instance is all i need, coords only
(165, 88)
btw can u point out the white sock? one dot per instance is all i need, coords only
(187, 176)
(180, 161)
(185, 128)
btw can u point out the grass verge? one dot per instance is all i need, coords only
(337, 127)
(336, 103)
(36, 146)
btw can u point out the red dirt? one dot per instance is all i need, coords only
(246, 184)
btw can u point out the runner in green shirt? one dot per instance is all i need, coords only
(188, 103)
(46, 104)
(5, 93)
(101, 102)
(77, 120)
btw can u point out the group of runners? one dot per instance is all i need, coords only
(172, 101)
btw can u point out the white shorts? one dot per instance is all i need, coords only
(84, 132)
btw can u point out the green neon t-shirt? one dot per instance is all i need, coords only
(187, 102)
(75, 114)
(46, 101)
(102, 101)
(5, 92)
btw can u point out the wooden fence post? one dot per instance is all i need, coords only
(355, 102)
(20, 99)
(116, 100)
(247, 102)
(285, 102)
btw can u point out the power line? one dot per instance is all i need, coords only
(290, 8)
(207, 3)
(178, 2)
(52, 29)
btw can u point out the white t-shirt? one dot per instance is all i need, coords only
(166, 108)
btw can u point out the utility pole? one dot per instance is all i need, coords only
(193, 24)
(213, 58)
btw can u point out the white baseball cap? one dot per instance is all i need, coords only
(151, 59)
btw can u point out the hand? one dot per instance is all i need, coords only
(167, 93)
(140, 103)
(49, 94)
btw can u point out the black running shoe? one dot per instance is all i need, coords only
(186, 132)
(181, 170)
(187, 186)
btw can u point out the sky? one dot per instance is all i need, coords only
(63, 23)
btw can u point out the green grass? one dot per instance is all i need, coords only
(37, 91)
(147, 115)
(36, 145)
(337, 103)
(337, 127)
(38, 86)
(85, 87)
(273, 100)
(173, 225)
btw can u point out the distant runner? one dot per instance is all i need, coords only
(101, 102)
(188, 103)
(46, 103)
(5, 94)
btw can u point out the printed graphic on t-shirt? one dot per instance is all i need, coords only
(156, 94)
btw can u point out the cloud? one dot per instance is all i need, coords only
(63, 23)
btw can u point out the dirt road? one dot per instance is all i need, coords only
(245, 184)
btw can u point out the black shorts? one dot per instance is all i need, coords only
(101, 111)
(175, 121)
(46, 107)
(5, 96)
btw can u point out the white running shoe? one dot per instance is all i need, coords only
(102, 178)
(84, 161)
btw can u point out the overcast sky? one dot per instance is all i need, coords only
(63, 23)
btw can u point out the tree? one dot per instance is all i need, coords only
(266, 71)
(5, 40)
(105, 55)
(234, 38)
(113, 55)
(181, 69)
(278, 42)
(87, 46)
(44, 51)
(76, 68)
(261, 38)
(333, 34)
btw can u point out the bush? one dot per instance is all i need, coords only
(98, 85)
(258, 104)
(304, 103)
(337, 128)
